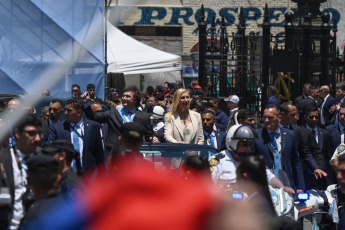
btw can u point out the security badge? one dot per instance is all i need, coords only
(214, 162)
(340, 151)
(340, 148)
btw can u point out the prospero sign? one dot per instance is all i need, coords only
(188, 18)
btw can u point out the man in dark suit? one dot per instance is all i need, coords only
(272, 96)
(328, 101)
(115, 118)
(314, 94)
(96, 107)
(212, 137)
(340, 96)
(83, 133)
(55, 112)
(309, 152)
(14, 169)
(303, 102)
(278, 147)
(322, 138)
(336, 131)
(306, 93)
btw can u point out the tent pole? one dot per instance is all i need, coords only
(105, 49)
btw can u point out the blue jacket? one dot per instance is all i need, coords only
(220, 137)
(274, 100)
(222, 118)
(92, 141)
(291, 162)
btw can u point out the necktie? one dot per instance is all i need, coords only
(75, 144)
(276, 155)
(210, 138)
(314, 133)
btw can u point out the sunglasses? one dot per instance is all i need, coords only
(314, 117)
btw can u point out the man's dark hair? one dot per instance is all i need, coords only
(136, 93)
(206, 105)
(243, 114)
(75, 85)
(57, 101)
(90, 86)
(284, 108)
(208, 111)
(216, 100)
(271, 106)
(29, 119)
(156, 99)
(311, 109)
(272, 89)
(76, 103)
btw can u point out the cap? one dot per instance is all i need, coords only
(158, 112)
(59, 145)
(159, 88)
(199, 91)
(114, 90)
(132, 130)
(43, 164)
(232, 98)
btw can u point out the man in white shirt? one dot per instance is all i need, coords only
(14, 169)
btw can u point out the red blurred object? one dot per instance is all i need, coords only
(132, 195)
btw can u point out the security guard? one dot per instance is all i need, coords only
(239, 140)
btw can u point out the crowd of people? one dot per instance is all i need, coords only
(47, 159)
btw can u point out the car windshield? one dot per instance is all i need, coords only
(169, 157)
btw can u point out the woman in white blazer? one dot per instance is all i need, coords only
(183, 125)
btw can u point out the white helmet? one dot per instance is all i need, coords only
(238, 133)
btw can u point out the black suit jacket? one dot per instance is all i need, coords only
(302, 145)
(92, 141)
(308, 138)
(220, 137)
(114, 120)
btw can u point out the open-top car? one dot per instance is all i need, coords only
(167, 156)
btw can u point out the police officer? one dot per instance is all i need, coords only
(239, 141)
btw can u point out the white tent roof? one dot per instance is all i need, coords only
(129, 56)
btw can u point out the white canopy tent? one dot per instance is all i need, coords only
(132, 58)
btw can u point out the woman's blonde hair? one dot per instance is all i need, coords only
(177, 98)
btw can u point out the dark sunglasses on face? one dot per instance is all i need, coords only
(312, 117)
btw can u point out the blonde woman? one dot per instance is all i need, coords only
(183, 125)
